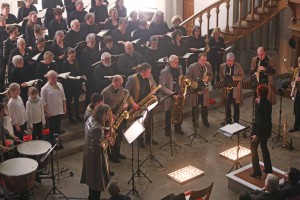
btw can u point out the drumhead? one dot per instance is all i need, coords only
(34, 147)
(18, 166)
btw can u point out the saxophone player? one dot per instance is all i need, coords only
(169, 80)
(235, 97)
(113, 96)
(263, 69)
(296, 95)
(200, 73)
(139, 86)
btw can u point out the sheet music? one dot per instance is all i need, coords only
(32, 82)
(169, 34)
(75, 77)
(42, 13)
(64, 75)
(201, 49)
(103, 33)
(228, 48)
(187, 55)
(230, 129)
(135, 41)
(36, 56)
(161, 60)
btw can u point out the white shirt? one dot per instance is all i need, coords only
(35, 111)
(53, 98)
(16, 111)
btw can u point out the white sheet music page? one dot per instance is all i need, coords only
(232, 128)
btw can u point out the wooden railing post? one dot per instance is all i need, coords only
(217, 13)
(263, 6)
(200, 23)
(252, 9)
(240, 12)
(227, 20)
(208, 24)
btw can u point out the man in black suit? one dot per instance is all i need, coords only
(261, 131)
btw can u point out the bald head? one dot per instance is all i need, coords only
(261, 53)
(129, 48)
(117, 81)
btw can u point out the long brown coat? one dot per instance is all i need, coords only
(95, 170)
(194, 72)
(238, 74)
(166, 81)
(271, 63)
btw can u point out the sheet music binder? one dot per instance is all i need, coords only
(231, 129)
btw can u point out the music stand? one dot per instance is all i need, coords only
(282, 93)
(151, 155)
(170, 143)
(196, 135)
(54, 187)
(230, 130)
(135, 130)
(228, 87)
(251, 86)
(186, 57)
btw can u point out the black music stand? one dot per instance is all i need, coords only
(151, 155)
(54, 187)
(170, 143)
(186, 58)
(236, 131)
(282, 93)
(228, 87)
(135, 130)
(196, 135)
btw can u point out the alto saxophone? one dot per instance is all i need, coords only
(144, 103)
(204, 74)
(258, 72)
(121, 114)
(109, 132)
(294, 83)
(178, 103)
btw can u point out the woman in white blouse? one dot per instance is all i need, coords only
(54, 99)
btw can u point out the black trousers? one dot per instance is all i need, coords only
(20, 133)
(37, 131)
(236, 109)
(265, 153)
(115, 149)
(94, 194)
(2, 76)
(168, 122)
(148, 124)
(204, 110)
(297, 111)
(54, 126)
(69, 98)
(216, 71)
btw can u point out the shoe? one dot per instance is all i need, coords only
(267, 172)
(153, 142)
(206, 124)
(114, 159)
(78, 118)
(223, 123)
(111, 173)
(141, 145)
(293, 130)
(255, 175)
(120, 156)
(180, 132)
(168, 133)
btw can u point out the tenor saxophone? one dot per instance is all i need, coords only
(294, 83)
(109, 138)
(284, 133)
(121, 113)
(178, 103)
(144, 103)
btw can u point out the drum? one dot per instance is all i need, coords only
(19, 174)
(35, 149)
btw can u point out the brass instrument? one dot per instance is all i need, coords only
(110, 135)
(227, 80)
(284, 133)
(121, 114)
(294, 82)
(257, 74)
(144, 103)
(178, 103)
(204, 74)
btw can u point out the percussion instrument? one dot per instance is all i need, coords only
(35, 149)
(19, 174)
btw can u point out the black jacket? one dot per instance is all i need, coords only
(76, 15)
(127, 62)
(73, 37)
(55, 26)
(100, 12)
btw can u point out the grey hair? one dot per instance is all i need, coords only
(272, 183)
(21, 40)
(16, 59)
(51, 73)
(78, 2)
(89, 15)
(173, 58)
(158, 13)
(105, 55)
(90, 36)
(175, 18)
(117, 77)
(230, 55)
(74, 21)
(154, 38)
(57, 33)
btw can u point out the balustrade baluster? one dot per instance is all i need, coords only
(227, 20)
(252, 9)
(208, 24)
(241, 12)
(217, 12)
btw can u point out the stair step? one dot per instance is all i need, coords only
(71, 147)
(256, 18)
(262, 11)
(243, 25)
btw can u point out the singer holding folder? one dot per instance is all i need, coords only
(261, 131)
